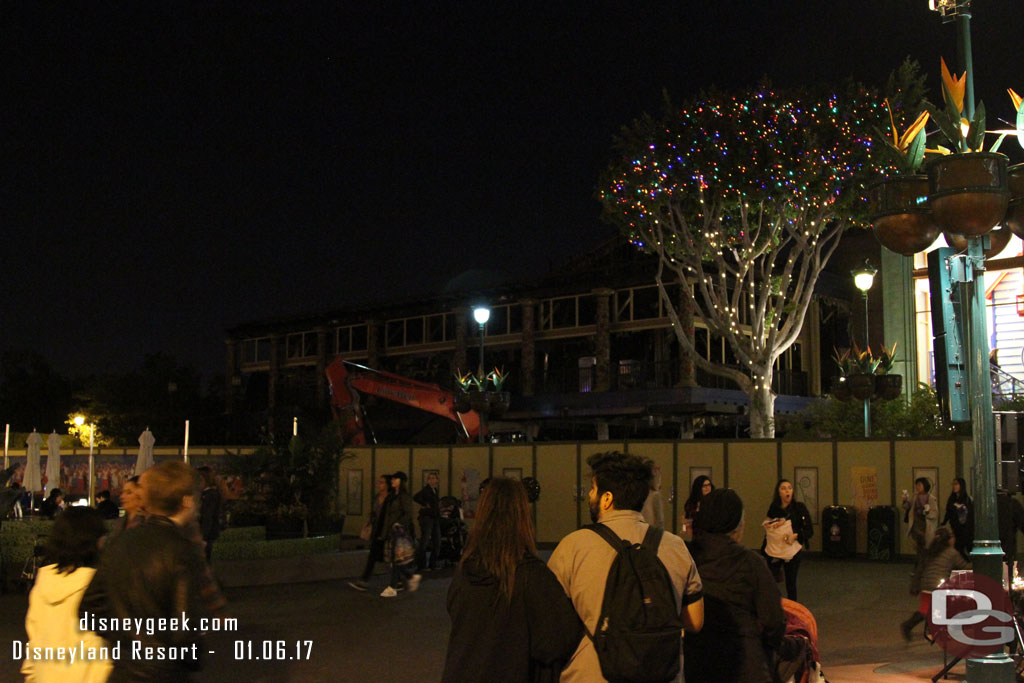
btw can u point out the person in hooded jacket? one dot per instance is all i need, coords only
(744, 625)
(511, 620)
(52, 619)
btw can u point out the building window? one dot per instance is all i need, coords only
(256, 350)
(300, 345)
(587, 306)
(435, 328)
(394, 333)
(646, 303)
(414, 331)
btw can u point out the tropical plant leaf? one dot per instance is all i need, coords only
(976, 133)
(915, 151)
(949, 129)
(914, 130)
(998, 142)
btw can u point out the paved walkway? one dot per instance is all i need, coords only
(360, 637)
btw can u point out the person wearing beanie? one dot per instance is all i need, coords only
(743, 617)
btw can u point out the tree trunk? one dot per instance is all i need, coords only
(762, 409)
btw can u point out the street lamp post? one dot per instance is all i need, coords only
(482, 314)
(983, 197)
(863, 278)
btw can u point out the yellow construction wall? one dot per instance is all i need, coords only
(556, 509)
(513, 461)
(358, 467)
(752, 473)
(862, 467)
(470, 466)
(846, 472)
(815, 466)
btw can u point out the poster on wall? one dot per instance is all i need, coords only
(805, 480)
(864, 482)
(470, 489)
(513, 473)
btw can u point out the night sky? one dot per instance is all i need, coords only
(172, 169)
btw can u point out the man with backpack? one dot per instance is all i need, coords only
(634, 587)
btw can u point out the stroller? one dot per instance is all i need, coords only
(453, 530)
(802, 664)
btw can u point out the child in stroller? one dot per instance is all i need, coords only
(453, 530)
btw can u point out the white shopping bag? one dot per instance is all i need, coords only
(780, 543)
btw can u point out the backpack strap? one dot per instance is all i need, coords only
(607, 534)
(652, 539)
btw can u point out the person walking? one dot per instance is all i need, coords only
(153, 572)
(960, 517)
(788, 528)
(582, 560)
(52, 620)
(429, 500)
(940, 558)
(210, 508)
(376, 534)
(921, 514)
(400, 548)
(511, 620)
(744, 623)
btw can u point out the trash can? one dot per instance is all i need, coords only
(839, 531)
(882, 527)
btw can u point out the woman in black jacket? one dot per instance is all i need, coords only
(397, 528)
(511, 620)
(785, 508)
(960, 517)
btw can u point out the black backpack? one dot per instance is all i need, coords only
(639, 632)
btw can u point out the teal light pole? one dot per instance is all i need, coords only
(987, 555)
(863, 278)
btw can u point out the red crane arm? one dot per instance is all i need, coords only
(349, 380)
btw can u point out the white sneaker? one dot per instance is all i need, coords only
(414, 582)
(388, 592)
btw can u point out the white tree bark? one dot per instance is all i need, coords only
(751, 283)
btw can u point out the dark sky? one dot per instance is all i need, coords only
(174, 168)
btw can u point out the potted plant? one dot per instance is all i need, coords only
(1015, 174)
(862, 380)
(498, 400)
(465, 384)
(967, 189)
(887, 384)
(900, 217)
(840, 387)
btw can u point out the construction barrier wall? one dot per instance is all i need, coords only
(860, 474)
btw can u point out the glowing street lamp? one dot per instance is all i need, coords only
(482, 314)
(863, 278)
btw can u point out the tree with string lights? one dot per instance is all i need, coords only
(744, 198)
